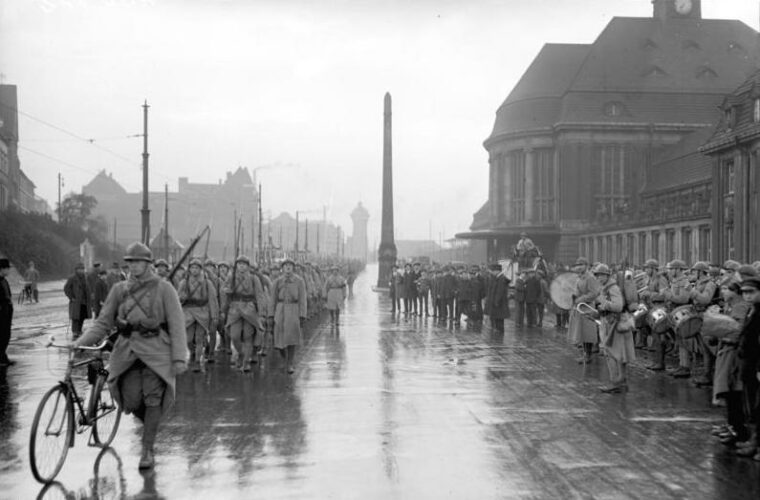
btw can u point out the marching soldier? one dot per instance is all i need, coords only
(583, 330)
(243, 295)
(162, 268)
(653, 296)
(290, 309)
(224, 334)
(197, 295)
(335, 291)
(151, 349)
(677, 294)
(210, 269)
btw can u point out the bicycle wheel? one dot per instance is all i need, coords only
(104, 411)
(52, 432)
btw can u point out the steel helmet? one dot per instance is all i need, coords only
(700, 266)
(138, 251)
(243, 258)
(652, 263)
(731, 265)
(747, 270)
(677, 264)
(161, 262)
(602, 269)
(210, 262)
(195, 262)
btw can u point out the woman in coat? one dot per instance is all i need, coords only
(290, 309)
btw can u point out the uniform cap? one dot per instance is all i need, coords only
(700, 266)
(751, 283)
(601, 269)
(747, 270)
(652, 263)
(732, 265)
(161, 262)
(138, 251)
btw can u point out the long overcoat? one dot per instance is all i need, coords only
(580, 328)
(290, 305)
(78, 293)
(199, 302)
(497, 298)
(335, 291)
(134, 300)
(245, 300)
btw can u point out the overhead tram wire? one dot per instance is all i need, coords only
(90, 141)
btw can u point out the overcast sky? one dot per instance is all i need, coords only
(293, 83)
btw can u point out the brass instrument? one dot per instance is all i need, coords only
(589, 312)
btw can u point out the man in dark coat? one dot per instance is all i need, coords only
(497, 298)
(78, 292)
(6, 313)
(92, 286)
(749, 352)
(533, 293)
(447, 293)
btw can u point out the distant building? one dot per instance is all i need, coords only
(594, 151)
(357, 243)
(16, 189)
(734, 160)
(318, 238)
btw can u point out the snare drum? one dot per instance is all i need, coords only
(686, 321)
(640, 316)
(658, 319)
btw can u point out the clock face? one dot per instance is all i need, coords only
(683, 6)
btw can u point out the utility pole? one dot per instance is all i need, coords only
(166, 220)
(318, 238)
(115, 220)
(296, 235)
(60, 185)
(145, 210)
(261, 216)
(306, 245)
(337, 242)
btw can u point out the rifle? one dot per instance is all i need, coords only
(206, 231)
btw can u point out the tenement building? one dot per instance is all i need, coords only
(595, 150)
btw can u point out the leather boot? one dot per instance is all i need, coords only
(147, 460)
(150, 430)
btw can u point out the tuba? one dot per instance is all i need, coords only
(589, 312)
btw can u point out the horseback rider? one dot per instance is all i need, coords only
(525, 251)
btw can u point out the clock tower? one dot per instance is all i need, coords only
(677, 9)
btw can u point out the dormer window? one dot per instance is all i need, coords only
(706, 72)
(649, 44)
(736, 47)
(729, 117)
(614, 108)
(656, 71)
(690, 45)
(756, 110)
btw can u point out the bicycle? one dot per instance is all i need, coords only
(54, 427)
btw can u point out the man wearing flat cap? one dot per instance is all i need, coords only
(749, 346)
(78, 293)
(497, 298)
(6, 312)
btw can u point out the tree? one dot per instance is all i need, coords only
(76, 210)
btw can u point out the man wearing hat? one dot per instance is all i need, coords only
(198, 297)
(703, 294)
(525, 250)
(729, 272)
(78, 293)
(651, 295)
(6, 312)
(290, 309)
(151, 349)
(582, 330)
(114, 275)
(497, 298)
(162, 268)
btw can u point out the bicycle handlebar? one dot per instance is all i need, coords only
(99, 347)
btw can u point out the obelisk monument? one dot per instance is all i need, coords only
(386, 253)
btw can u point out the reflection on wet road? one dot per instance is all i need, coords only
(397, 407)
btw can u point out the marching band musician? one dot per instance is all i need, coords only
(702, 296)
(242, 295)
(582, 330)
(617, 346)
(677, 294)
(729, 272)
(651, 295)
(197, 295)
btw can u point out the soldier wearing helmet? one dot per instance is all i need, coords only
(151, 348)
(162, 268)
(243, 303)
(679, 293)
(223, 269)
(654, 296)
(582, 330)
(704, 287)
(729, 273)
(198, 297)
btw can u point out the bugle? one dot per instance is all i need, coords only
(589, 312)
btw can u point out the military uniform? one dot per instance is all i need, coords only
(243, 295)
(677, 294)
(198, 297)
(289, 298)
(150, 349)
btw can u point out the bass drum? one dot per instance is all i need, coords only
(562, 289)
(686, 321)
(658, 320)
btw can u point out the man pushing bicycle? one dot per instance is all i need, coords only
(151, 347)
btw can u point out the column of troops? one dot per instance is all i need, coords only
(706, 316)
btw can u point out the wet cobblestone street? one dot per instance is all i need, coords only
(396, 407)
